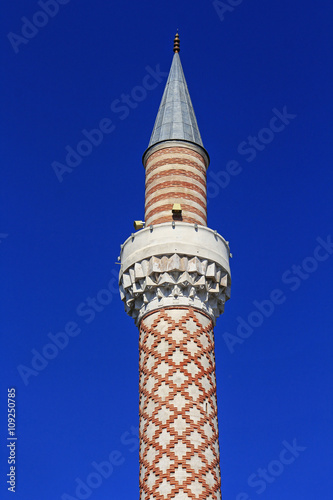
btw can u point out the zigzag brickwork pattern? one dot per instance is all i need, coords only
(179, 450)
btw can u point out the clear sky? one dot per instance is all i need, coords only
(260, 78)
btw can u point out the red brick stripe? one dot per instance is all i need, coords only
(175, 172)
(176, 183)
(175, 161)
(173, 194)
(173, 150)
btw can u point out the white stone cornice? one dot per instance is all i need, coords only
(172, 265)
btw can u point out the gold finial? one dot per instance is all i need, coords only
(176, 44)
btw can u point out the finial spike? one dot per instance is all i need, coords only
(176, 43)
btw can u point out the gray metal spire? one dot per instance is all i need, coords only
(176, 118)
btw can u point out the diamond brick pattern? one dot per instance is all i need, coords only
(179, 451)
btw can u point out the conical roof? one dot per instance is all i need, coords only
(176, 118)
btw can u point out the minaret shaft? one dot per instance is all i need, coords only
(179, 451)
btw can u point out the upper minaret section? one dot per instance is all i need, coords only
(176, 161)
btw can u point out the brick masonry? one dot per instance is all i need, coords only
(179, 450)
(175, 175)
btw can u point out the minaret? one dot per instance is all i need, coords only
(174, 281)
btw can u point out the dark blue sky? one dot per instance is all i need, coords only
(59, 241)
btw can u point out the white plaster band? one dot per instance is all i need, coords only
(178, 237)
